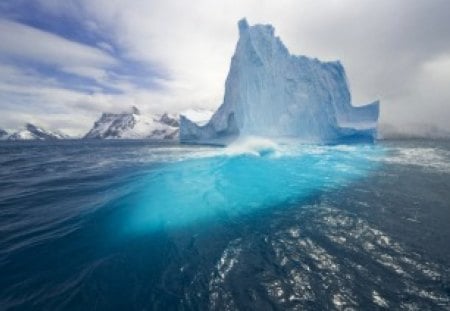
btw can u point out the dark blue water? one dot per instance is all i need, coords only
(144, 226)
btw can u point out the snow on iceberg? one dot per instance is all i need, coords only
(271, 93)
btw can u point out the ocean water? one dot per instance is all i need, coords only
(135, 225)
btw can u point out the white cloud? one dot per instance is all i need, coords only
(27, 96)
(386, 47)
(31, 44)
(382, 44)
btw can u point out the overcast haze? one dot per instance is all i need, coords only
(62, 63)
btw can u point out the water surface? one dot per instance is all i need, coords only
(145, 226)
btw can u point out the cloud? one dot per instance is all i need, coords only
(21, 41)
(396, 51)
(382, 44)
(28, 96)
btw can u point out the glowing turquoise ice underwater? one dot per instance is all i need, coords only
(241, 179)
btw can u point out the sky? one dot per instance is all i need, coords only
(63, 63)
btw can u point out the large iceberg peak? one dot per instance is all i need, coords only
(271, 93)
(243, 25)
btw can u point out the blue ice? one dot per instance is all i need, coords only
(247, 176)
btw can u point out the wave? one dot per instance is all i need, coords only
(252, 145)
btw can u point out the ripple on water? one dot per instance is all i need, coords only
(428, 158)
(326, 261)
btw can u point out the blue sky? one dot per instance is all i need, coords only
(62, 63)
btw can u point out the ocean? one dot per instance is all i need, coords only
(139, 225)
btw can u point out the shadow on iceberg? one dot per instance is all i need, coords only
(271, 93)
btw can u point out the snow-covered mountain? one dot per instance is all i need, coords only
(134, 125)
(127, 125)
(271, 93)
(33, 132)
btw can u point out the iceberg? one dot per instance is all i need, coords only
(271, 93)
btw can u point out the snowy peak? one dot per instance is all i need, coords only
(135, 110)
(111, 125)
(33, 132)
(170, 120)
(134, 125)
(271, 93)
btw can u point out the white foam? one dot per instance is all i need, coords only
(256, 146)
(377, 299)
(426, 157)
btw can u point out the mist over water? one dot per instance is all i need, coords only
(258, 225)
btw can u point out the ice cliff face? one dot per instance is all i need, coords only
(33, 132)
(271, 93)
(133, 125)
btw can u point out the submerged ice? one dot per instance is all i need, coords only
(249, 175)
(271, 93)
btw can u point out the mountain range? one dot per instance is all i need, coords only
(32, 132)
(126, 125)
(134, 125)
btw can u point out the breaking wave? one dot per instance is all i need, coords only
(256, 146)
